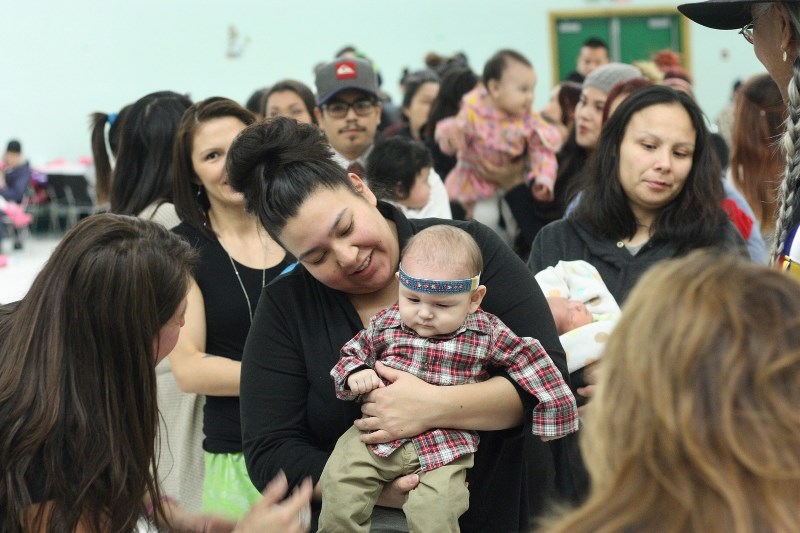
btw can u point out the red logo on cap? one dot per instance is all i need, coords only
(345, 70)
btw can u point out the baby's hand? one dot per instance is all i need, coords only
(542, 192)
(363, 381)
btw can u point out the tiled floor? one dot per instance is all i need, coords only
(24, 265)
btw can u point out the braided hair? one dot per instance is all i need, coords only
(788, 208)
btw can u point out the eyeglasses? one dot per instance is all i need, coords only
(340, 109)
(747, 32)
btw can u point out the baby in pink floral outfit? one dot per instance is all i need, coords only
(497, 123)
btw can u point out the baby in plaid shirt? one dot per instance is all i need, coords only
(437, 332)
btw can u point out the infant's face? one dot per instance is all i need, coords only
(568, 314)
(514, 92)
(433, 314)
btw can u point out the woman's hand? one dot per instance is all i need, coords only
(182, 521)
(397, 410)
(507, 175)
(394, 494)
(270, 514)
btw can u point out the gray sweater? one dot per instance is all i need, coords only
(567, 240)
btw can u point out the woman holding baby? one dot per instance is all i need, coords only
(654, 194)
(348, 246)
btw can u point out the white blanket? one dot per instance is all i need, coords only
(578, 280)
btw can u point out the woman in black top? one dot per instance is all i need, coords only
(654, 193)
(348, 245)
(237, 259)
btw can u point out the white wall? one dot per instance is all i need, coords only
(63, 60)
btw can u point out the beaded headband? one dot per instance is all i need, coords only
(434, 286)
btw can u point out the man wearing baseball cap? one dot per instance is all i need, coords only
(348, 109)
(349, 113)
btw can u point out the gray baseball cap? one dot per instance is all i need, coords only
(343, 74)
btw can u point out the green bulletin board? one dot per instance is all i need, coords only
(632, 35)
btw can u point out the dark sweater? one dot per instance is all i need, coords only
(291, 418)
(568, 240)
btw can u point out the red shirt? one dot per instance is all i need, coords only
(463, 356)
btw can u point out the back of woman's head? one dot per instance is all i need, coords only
(695, 425)
(190, 198)
(77, 379)
(693, 218)
(756, 160)
(453, 86)
(143, 172)
(277, 164)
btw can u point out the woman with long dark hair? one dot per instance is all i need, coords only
(78, 401)
(237, 259)
(655, 193)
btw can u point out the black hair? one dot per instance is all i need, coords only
(254, 102)
(414, 81)
(453, 86)
(346, 49)
(493, 69)
(692, 219)
(300, 89)
(14, 146)
(393, 165)
(143, 172)
(595, 42)
(568, 95)
(277, 164)
(100, 149)
(189, 196)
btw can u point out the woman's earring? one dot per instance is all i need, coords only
(200, 188)
(784, 56)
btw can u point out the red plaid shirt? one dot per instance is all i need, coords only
(460, 357)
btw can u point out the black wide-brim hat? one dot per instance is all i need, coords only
(722, 14)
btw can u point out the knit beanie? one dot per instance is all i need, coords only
(604, 78)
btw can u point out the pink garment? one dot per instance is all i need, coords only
(488, 133)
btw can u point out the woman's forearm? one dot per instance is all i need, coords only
(488, 406)
(211, 375)
(195, 370)
(408, 406)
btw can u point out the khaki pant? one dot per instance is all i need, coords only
(354, 477)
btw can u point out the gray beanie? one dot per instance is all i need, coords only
(604, 78)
